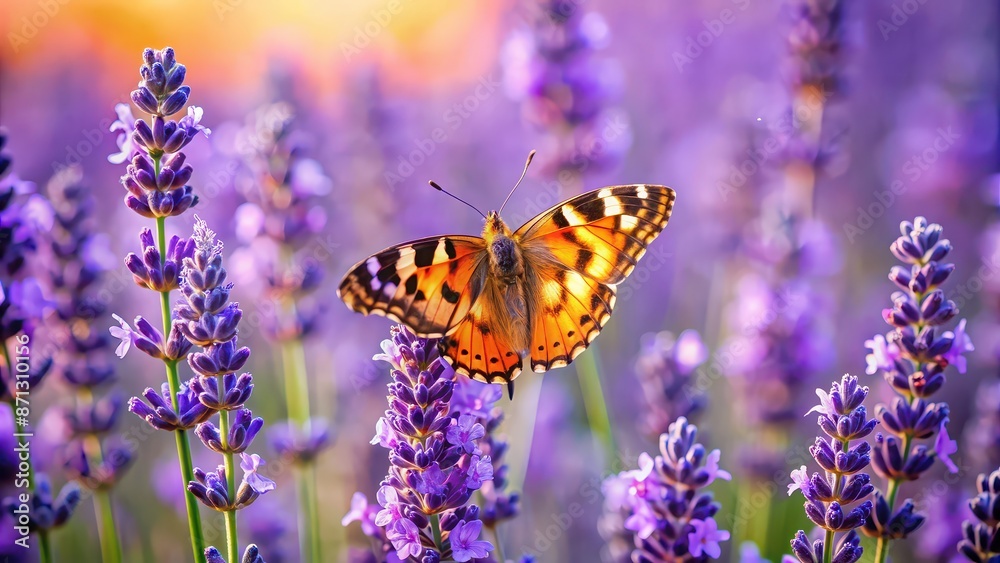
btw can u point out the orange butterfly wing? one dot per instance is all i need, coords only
(578, 251)
(474, 348)
(428, 284)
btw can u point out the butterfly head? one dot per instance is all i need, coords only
(494, 226)
(505, 257)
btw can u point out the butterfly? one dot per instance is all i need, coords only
(542, 292)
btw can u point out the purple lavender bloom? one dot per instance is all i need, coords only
(23, 216)
(815, 42)
(663, 505)
(212, 490)
(363, 512)
(251, 555)
(282, 215)
(149, 340)
(22, 301)
(115, 460)
(425, 511)
(912, 358)
(156, 178)
(208, 319)
(465, 545)
(123, 332)
(301, 445)
(158, 412)
(150, 270)
(231, 394)
(373, 519)
(243, 429)
(124, 126)
(45, 512)
(79, 258)
(94, 418)
(830, 495)
(251, 464)
(567, 90)
(778, 323)
(664, 369)
(475, 402)
(982, 539)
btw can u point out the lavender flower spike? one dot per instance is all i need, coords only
(670, 518)
(981, 543)
(208, 319)
(432, 475)
(830, 495)
(156, 178)
(155, 182)
(912, 358)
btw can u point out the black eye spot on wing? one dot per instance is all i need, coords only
(411, 285)
(596, 212)
(423, 255)
(387, 273)
(449, 294)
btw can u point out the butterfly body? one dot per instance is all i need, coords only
(543, 292)
(507, 296)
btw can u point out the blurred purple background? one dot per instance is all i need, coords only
(690, 95)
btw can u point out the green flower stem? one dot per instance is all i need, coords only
(111, 549)
(882, 547)
(438, 536)
(107, 530)
(173, 381)
(44, 546)
(297, 398)
(828, 546)
(232, 541)
(495, 531)
(756, 528)
(593, 401)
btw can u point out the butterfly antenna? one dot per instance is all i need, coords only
(531, 155)
(446, 192)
